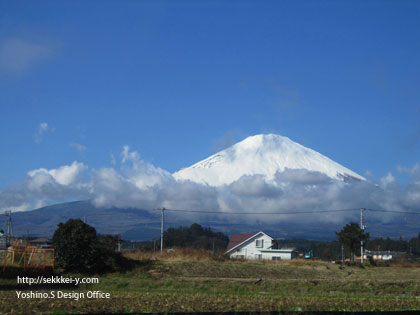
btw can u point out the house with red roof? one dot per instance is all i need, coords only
(257, 246)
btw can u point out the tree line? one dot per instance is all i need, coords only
(332, 250)
(349, 237)
(195, 236)
(80, 248)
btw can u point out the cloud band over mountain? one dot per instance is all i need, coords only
(136, 183)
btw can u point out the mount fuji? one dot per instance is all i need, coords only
(265, 155)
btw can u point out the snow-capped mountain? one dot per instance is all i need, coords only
(264, 155)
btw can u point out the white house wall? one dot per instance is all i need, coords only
(281, 256)
(249, 250)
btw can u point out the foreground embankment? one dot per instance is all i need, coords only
(194, 283)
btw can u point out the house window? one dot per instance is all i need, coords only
(258, 256)
(259, 243)
(276, 258)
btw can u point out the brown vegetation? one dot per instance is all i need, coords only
(177, 254)
(186, 280)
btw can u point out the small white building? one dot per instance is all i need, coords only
(257, 246)
(382, 255)
(3, 244)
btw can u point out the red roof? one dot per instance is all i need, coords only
(236, 239)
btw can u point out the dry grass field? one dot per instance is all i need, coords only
(197, 281)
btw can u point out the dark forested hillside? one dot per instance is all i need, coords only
(195, 236)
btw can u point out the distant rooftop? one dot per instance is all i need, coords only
(236, 239)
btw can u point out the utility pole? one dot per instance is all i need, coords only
(118, 239)
(342, 253)
(161, 231)
(362, 228)
(9, 234)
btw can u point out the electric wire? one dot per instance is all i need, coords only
(393, 211)
(269, 213)
(258, 213)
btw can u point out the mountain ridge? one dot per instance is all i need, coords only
(263, 154)
(137, 224)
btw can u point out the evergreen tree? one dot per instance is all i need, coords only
(79, 248)
(196, 237)
(351, 236)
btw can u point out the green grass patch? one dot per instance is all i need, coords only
(220, 286)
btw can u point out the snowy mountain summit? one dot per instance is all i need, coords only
(263, 155)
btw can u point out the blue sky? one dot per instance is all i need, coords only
(178, 80)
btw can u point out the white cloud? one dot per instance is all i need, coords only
(301, 176)
(18, 55)
(42, 128)
(387, 180)
(413, 171)
(133, 156)
(22, 207)
(78, 147)
(413, 195)
(413, 187)
(139, 172)
(113, 160)
(141, 185)
(254, 186)
(37, 179)
(369, 173)
(64, 175)
(43, 186)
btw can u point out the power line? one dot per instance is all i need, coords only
(259, 213)
(269, 213)
(393, 211)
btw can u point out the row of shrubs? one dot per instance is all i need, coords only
(79, 248)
